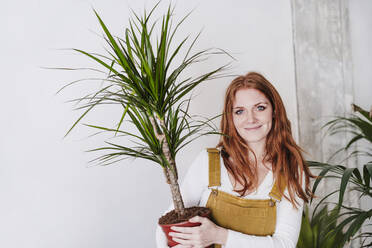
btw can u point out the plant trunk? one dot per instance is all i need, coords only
(179, 206)
(170, 171)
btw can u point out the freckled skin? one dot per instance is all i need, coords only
(252, 116)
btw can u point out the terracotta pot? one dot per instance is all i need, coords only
(166, 230)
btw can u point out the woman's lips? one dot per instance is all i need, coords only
(252, 128)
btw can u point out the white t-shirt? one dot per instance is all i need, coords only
(195, 192)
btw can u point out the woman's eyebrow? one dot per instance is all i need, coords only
(262, 102)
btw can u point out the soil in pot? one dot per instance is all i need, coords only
(172, 219)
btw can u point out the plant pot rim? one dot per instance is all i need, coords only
(178, 224)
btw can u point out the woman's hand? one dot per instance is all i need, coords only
(200, 236)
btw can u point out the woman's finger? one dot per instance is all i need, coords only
(183, 241)
(182, 246)
(189, 230)
(180, 235)
(198, 219)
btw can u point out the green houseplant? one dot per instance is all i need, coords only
(317, 230)
(356, 180)
(141, 76)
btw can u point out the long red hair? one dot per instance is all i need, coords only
(281, 150)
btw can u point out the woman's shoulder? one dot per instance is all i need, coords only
(200, 161)
(205, 152)
(198, 170)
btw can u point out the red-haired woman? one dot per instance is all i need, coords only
(255, 183)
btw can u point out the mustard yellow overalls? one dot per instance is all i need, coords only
(254, 217)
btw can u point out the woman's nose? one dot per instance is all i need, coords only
(250, 117)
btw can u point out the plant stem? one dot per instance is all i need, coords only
(179, 206)
(170, 171)
(166, 151)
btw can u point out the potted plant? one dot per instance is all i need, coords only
(349, 219)
(142, 77)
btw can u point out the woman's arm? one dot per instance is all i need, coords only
(286, 233)
(287, 229)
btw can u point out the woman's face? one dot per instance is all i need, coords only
(252, 115)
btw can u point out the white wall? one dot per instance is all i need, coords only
(361, 40)
(50, 196)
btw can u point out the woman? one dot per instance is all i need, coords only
(257, 192)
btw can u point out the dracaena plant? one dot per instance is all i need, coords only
(359, 181)
(142, 77)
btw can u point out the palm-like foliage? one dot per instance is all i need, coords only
(318, 231)
(360, 126)
(142, 78)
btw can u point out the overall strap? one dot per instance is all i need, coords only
(214, 167)
(277, 192)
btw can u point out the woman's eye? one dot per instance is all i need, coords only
(261, 108)
(238, 112)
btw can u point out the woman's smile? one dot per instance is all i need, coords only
(252, 128)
